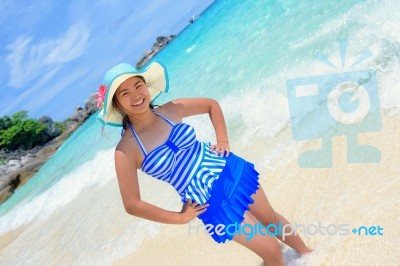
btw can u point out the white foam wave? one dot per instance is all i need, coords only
(190, 49)
(375, 27)
(256, 113)
(90, 174)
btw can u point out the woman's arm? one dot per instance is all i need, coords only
(129, 188)
(193, 106)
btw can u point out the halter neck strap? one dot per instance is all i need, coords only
(137, 137)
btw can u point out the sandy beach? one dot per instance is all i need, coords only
(353, 194)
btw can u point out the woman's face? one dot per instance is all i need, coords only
(133, 96)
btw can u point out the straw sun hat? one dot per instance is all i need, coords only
(155, 77)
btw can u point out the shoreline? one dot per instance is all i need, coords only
(17, 178)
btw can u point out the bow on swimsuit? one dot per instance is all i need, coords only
(184, 162)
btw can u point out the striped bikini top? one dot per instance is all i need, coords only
(183, 161)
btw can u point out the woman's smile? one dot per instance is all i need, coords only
(138, 103)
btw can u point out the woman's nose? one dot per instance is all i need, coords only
(135, 97)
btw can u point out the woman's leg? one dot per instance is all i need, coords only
(262, 210)
(267, 247)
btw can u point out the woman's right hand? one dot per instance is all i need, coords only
(191, 210)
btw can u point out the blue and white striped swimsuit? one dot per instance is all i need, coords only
(184, 162)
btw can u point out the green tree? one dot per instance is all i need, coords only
(5, 122)
(21, 132)
(61, 126)
(18, 116)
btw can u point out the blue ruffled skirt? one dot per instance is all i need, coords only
(230, 197)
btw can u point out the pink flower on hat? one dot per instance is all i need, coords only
(100, 95)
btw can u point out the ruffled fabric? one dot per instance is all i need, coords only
(230, 197)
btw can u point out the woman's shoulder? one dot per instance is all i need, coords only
(169, 110)
(128, 146)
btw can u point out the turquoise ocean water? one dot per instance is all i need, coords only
(238, 52)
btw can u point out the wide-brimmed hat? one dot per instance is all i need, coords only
(155, 77)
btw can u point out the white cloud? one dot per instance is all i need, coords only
(50, 91)
(28, 61)
(69, 47)
(36, 97)
(27, 95)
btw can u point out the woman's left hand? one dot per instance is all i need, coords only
(220, 148)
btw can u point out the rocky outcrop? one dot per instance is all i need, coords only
(81, 114)
(160, 43)
(20, 165)
(51, 130)
(91, 104)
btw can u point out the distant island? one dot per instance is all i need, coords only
(160, 43)
(21, 156)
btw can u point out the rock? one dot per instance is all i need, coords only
(13, 155)
(4, 182)
(26, 159)
(71, 124)
(160, 43)
(34, 150)
(19, 175)
(3, 169)
(193, 19)
(91, 104)
(51, 131)
(46, 150)
(13, 165)
(14, 183)
(148, 58)
(5, 193)
(24, 176)
(79, 115)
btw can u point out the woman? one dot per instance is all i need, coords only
(214, 184)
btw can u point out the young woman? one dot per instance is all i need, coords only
(214, 184)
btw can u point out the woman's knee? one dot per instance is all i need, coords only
(274, 254)
(265, 246)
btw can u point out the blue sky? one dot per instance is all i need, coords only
(54, 53)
